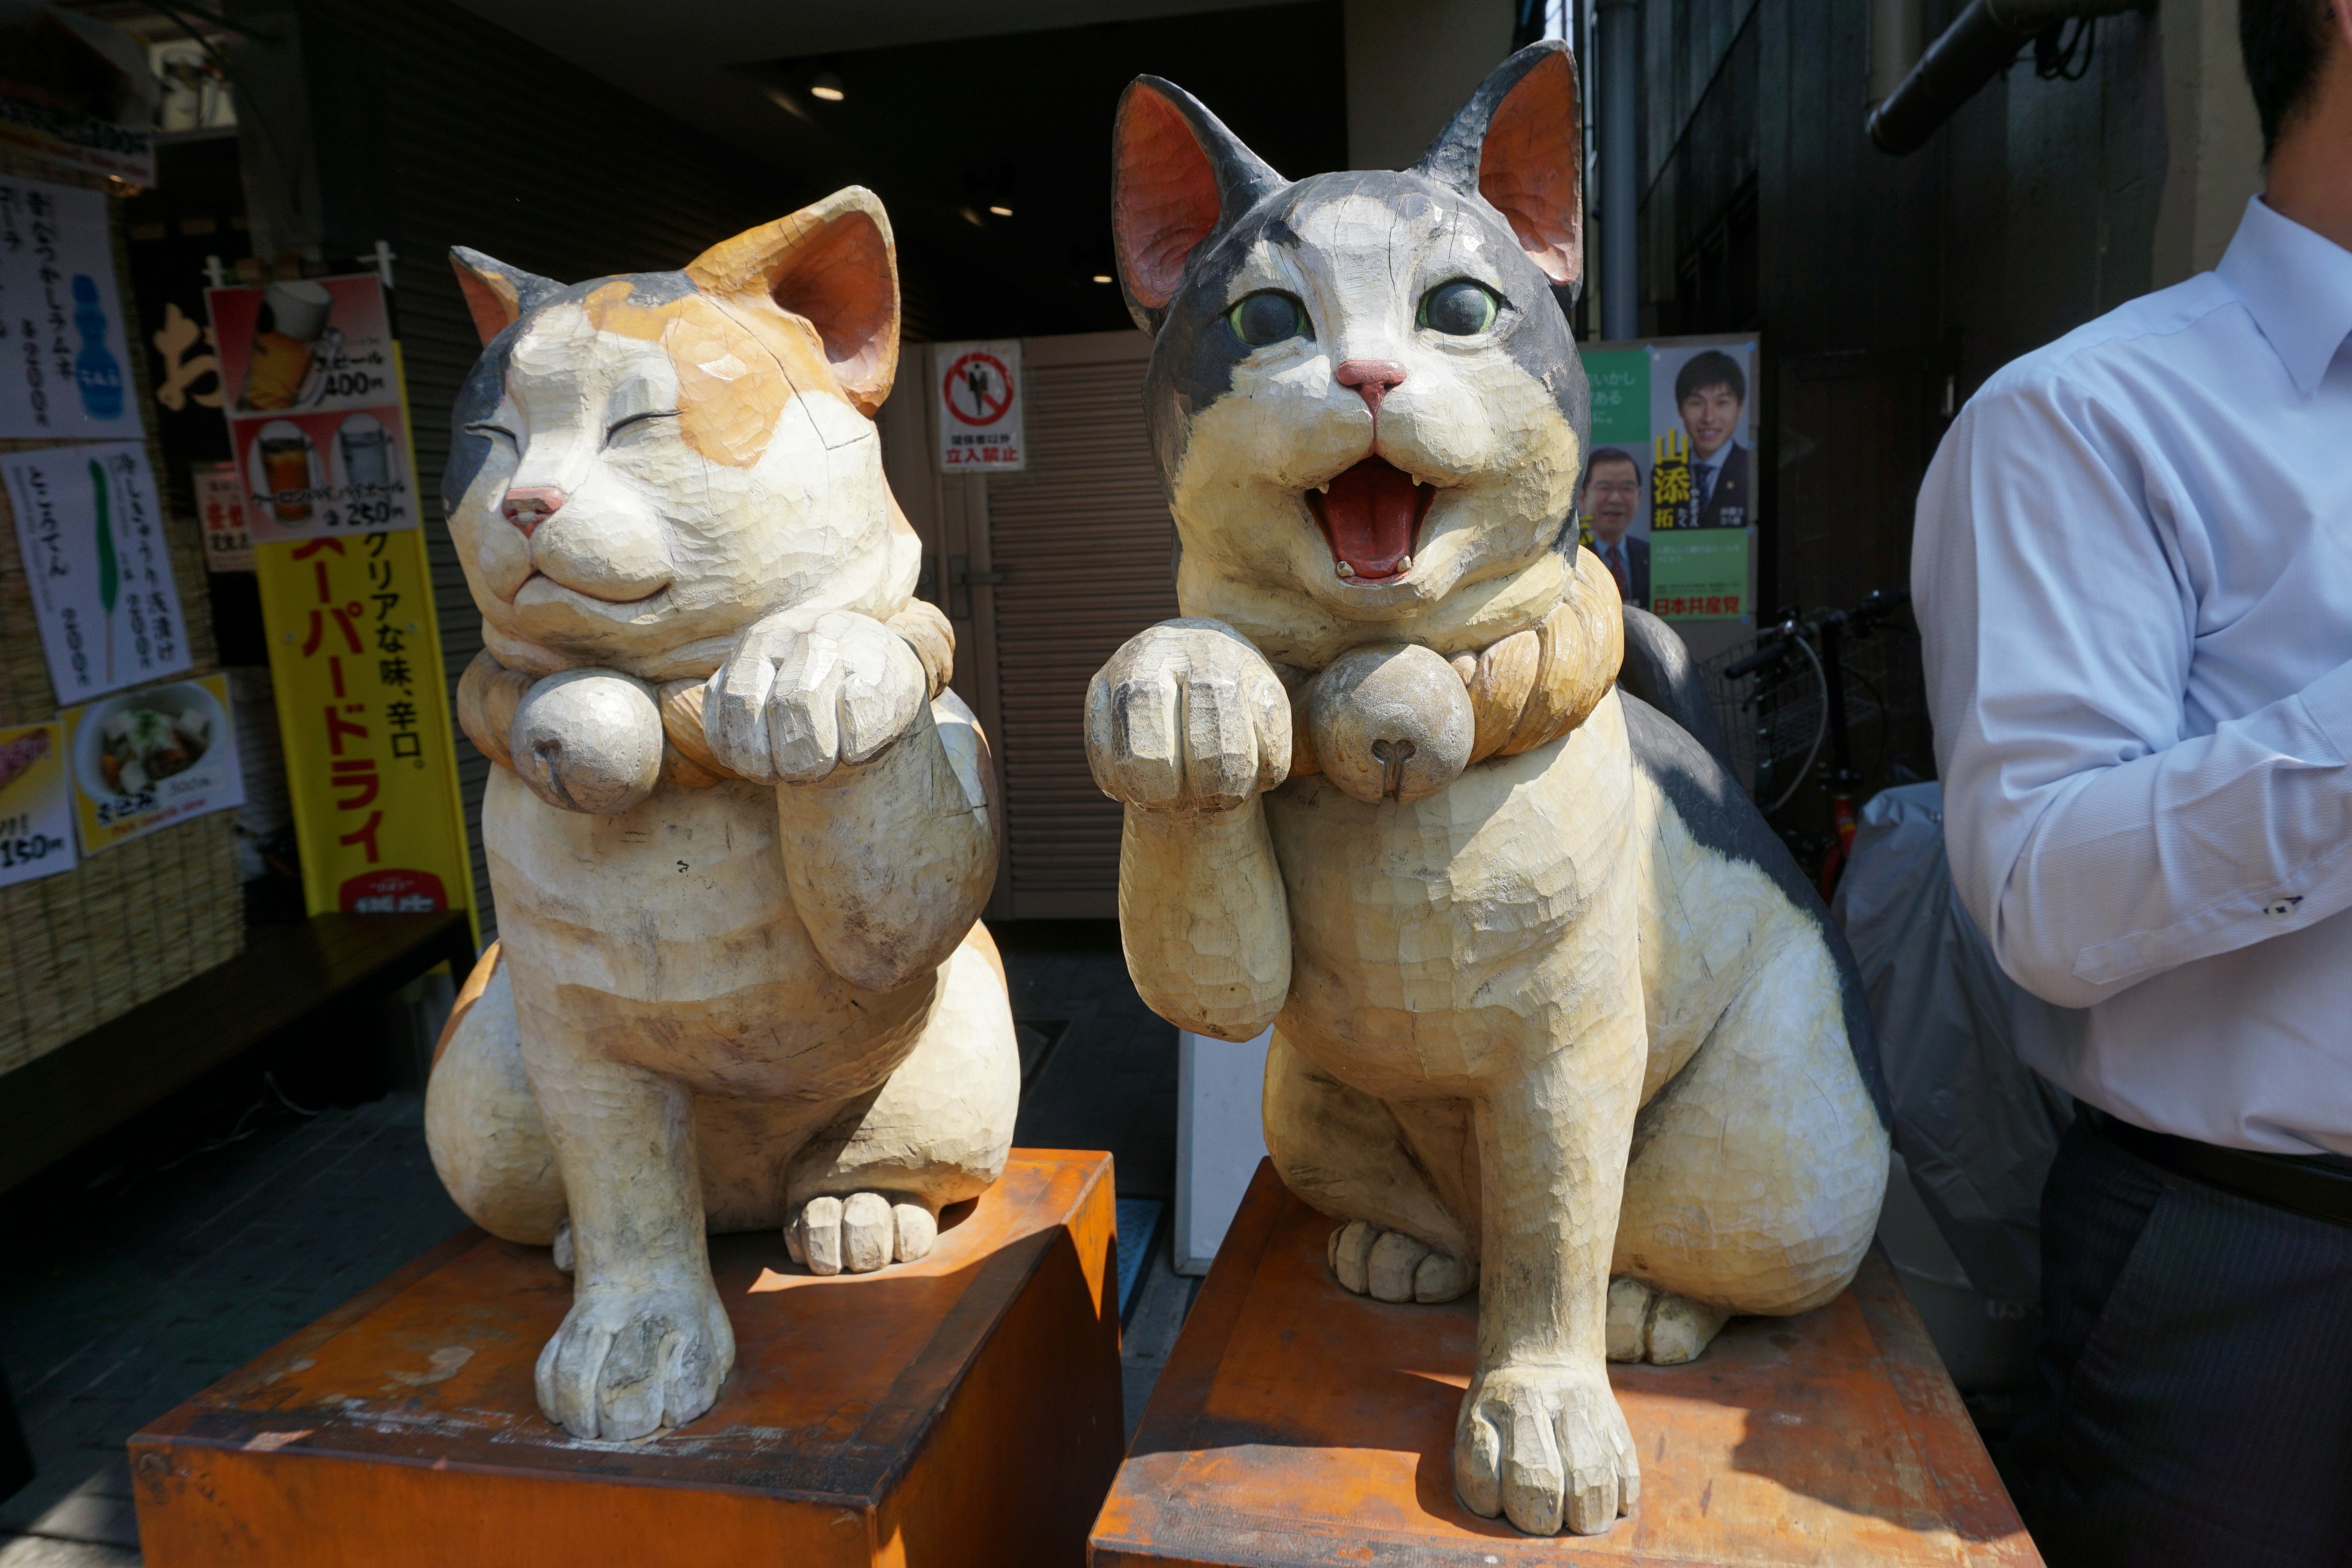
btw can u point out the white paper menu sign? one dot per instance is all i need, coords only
(91, 532)
(65, 364)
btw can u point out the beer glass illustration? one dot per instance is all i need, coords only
(285, 458)
(287, 334)
(366, 449)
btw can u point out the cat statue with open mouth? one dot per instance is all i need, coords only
(738, 831)
(1555, 1017)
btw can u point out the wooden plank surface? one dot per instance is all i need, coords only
(55, 1103)
(1297, 1425)
(965, 1409)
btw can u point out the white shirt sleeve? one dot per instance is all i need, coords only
(2095, 845)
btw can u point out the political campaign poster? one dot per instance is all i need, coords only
(311, 384)
(64, 355)
(36, 831)
(91, 530)
(1612, 504)
(150, 757)
(1668, 497)
(364, 713)
(977, 388)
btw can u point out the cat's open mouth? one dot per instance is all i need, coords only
(1371, 514)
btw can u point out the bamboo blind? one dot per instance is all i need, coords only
(82, 946)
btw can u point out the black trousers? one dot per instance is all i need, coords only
(2196, 1353)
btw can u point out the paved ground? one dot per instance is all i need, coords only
(156, 1266)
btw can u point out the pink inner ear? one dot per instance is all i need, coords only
(493, 312)
(1166, 200)
(1529, 168)
(840, 280)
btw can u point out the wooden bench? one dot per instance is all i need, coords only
(56, 1102)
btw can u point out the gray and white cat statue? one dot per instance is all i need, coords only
(1555, 1018)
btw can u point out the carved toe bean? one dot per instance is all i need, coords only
(869, 1234)
(1350, 1250)
(917, 1231)
(821, 1235)
(1389, 1268)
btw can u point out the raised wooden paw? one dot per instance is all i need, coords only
(1389, 1266)
(858, 1234)
(1657, 1326)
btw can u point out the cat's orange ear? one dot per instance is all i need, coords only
(495, 293)
(1518, 144)
(1177, 175)
(834, 264)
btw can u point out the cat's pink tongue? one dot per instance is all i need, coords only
(1370, 514)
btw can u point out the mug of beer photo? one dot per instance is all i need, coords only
(286, 333)
(286, 461)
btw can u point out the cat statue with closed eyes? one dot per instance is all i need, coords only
(1555, 1017)
(739, 830)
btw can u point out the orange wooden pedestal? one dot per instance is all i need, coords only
(961, 1410)
(1298, 1424)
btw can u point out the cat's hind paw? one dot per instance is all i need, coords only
(858, 1234)
(1646, 1324)
(1389, 1266)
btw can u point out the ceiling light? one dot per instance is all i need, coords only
(1001, 212)
(1102, 277)
(828, 87)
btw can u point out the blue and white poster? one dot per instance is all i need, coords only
(64, 363)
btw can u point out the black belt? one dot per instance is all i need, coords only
(2316, 1186)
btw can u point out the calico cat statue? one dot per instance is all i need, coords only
(738, 831)
(1555, 1017)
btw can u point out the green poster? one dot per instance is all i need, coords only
(1621, 395)
(1699, 574)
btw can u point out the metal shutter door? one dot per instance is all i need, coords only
(1084, 542)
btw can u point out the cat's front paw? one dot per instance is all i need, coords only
(1545, 1445)
(627, 1362)
(859, 1233)
(807, 692)
(1187, 716)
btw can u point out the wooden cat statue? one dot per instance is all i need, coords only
(739, 830)
(1555, 1017)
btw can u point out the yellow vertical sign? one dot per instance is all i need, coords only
(355, 656)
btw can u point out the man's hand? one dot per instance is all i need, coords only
(806, 692)
(1187, 716)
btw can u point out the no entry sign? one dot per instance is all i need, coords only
(976, 390)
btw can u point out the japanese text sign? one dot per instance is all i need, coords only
(978, 391)
(92, 534)
(312, 394)
(36, 808)
(64, 358)
(150, 758)
(364, 711)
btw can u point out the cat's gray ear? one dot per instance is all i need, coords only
(1178, 176)
(1518, 142)
(495, 292)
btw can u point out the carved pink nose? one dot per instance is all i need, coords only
(532, 505)
(1372, 379)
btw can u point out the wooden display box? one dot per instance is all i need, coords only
(961, 1410)
(1297, 1425)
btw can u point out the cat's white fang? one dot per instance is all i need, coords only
(1345, 570)
(1405, 563)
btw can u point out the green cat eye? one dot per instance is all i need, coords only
(1459, 309)
(1267, 318)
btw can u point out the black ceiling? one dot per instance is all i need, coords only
(942, 132)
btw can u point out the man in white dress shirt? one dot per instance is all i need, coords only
(2133, 572)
